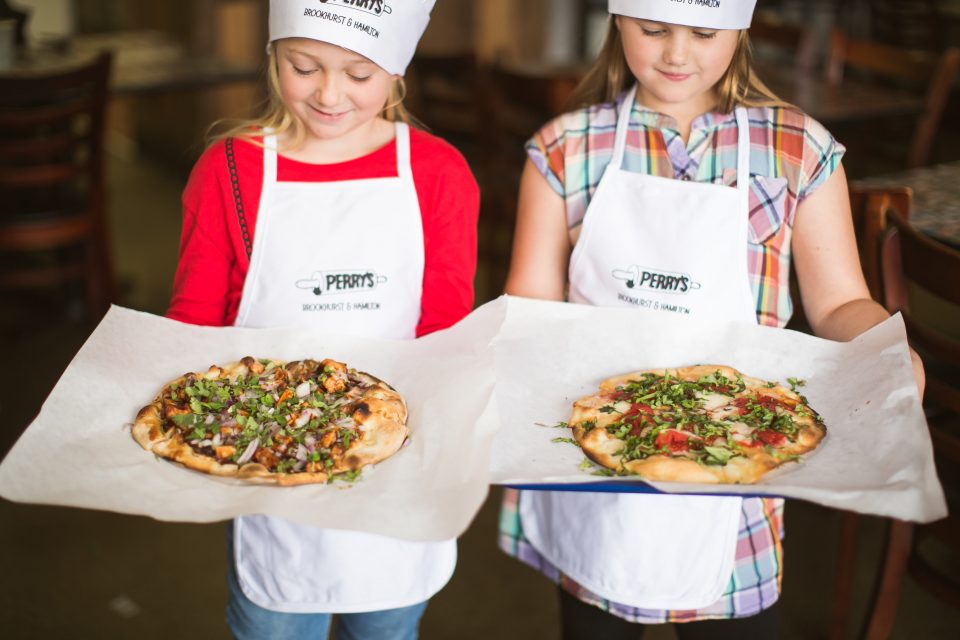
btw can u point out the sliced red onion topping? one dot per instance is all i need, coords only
(303, 389)
(249, 451)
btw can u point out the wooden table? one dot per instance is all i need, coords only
(145, 62)
(936, 199)
(832, 104)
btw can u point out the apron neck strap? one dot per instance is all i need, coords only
(269, 156)
(403, 149)
(743, 156)
(623, 124)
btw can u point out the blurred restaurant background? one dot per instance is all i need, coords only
(881, 75)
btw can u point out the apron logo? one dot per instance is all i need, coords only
(376, 7)
(334, 282)
(642, 278)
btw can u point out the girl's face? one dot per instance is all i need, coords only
(677, 67)
(335, 92)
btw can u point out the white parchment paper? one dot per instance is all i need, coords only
(79, 451)
(877, 456)
(477, 394)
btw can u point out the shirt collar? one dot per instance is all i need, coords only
(705, 122)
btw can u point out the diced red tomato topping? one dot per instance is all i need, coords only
(675, 441)
(773, 438)
(621, 395)
(639, 421)
(719, 388)
(639, 407)
(768, 403)
(741, 404)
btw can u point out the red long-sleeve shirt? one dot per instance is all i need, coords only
(213, 260)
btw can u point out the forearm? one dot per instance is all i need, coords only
(850, 320)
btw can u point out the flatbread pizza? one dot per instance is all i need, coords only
(705, 423)
(272, 422)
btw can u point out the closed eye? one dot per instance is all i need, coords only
(705, 35)
(653, 32)
(302, 72)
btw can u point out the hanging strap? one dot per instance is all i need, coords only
(237, 200)
(623, 125)
(743, 158)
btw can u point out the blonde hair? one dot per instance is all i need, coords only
(609, 76)
(279, 119)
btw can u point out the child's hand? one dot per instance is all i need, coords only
(918, 371)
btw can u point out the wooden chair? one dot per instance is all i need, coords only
(792, 44)
(912, 259)
(905, 68)
(870, 208)
(516, 103)
(52, 201)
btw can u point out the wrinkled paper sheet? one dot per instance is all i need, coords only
(478, 395)
(79, 451)
(877, 457)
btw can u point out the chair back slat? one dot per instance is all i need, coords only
(869, 208)
(57, 145)
(40, 176)
(19, 117)
(928, 263)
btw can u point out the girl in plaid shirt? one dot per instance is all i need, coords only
(679, 161)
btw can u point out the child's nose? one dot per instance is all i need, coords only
(677, 49)
(328, 90)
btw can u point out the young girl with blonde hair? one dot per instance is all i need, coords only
(678, 160)
(330, 181)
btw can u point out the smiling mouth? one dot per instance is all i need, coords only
(675, 77)
(329, 115)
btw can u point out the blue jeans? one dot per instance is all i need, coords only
(248, 621)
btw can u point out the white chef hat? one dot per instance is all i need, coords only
(710, 14)
(386, 31)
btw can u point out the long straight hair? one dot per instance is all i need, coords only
(609, 76)
(278, 119)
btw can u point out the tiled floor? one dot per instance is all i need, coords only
(69, 573)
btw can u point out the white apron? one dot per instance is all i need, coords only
(347, 256)
(663, 246)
